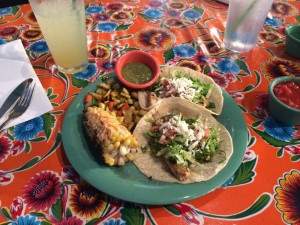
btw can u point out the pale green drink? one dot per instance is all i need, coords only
(63, 25)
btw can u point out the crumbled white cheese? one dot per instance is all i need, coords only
(165, 127)
(181, 87)
(194, 145)
(193, 136)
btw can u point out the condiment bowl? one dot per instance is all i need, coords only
(293, 40)
(280, 110)
(137, 56)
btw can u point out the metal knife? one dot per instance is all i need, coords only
(14, 96)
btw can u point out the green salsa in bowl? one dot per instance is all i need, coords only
(137, 69)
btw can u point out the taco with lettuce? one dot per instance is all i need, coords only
(185, 83)
(181, 142)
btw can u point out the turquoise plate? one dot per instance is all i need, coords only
(127, 182)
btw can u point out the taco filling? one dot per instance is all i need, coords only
(186, 84)
(181, 142)
(186, 87)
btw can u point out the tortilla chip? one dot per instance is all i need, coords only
(155, 168)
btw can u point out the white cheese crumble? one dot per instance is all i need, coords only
(193, 136)
(181, 87)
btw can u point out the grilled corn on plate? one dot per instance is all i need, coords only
(113, 140)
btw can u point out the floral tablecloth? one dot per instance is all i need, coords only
(38, 185)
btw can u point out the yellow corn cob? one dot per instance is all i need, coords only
(116, 144)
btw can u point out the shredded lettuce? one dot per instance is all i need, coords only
(176, 151)
(211, 147)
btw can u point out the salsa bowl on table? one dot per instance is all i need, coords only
(284, 99)
(137, 69)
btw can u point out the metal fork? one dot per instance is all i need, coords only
(21, 106)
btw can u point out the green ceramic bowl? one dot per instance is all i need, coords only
(293, 40)
(278, 109)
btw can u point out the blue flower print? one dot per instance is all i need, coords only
(39, 47)
(2, 41)
(6, 11)
(114, 222)
(107, 26)
(228, 66)
(184, 51)
(153, 13)
(278, 130)
(86, 74)
(94, 9)
(26, 220)
(192, 14)
(273, 22)
(228, 182)
(29, 129)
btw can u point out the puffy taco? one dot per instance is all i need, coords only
(184, 83)
(181, 142)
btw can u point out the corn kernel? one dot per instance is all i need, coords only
(120, 119)
(123, 150)
(134, 143)
(119, 138)
(127, 141)
(126, 135)
(130, 156)
(117, 144)
(109, 160)
(102, 105)
(110, 147)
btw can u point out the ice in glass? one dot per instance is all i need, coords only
(245, 19)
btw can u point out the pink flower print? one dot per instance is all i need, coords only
(5, 178)
(17, 148)
(190, 214)
(16, 208)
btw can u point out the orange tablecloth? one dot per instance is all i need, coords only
(37, 182)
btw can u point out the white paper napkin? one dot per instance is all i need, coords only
(15, 67)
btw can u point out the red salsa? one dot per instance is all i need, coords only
(289, 93)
